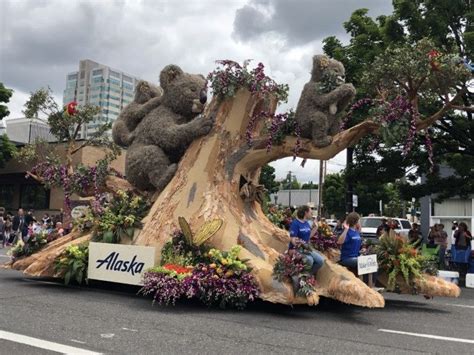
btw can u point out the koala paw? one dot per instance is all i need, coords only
(322, 142)
(204, 125)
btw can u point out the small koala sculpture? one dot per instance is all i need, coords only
(165, 127)
(147, 97)
(322, 100)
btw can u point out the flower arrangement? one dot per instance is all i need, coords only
(397, 257)
(223, 280)
(72, 263)
(323, 238)
(117, 218)
(33, 244)
(291, 266)
(227, 80)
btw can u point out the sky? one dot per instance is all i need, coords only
(42, 40)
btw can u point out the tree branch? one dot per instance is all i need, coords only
(422, 124)
(463, 108)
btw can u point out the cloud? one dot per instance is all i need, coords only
(43, 40)
(300, 21)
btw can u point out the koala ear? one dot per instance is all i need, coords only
(168, 74)
(320, 62)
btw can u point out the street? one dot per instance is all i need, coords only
(44, 317)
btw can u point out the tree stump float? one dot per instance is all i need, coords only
(215, 179)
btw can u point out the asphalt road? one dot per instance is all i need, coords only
(115, 321)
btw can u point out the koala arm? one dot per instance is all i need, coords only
(146, 108)
(172, 135)
(340, 96)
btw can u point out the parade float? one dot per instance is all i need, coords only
(198, 168)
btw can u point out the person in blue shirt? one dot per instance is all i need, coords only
(350, 241)
(300, 231)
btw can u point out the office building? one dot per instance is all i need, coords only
(100, 85)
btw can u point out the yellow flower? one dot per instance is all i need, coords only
(212, 266)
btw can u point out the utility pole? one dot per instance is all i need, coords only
(320, 187)
(349, 185)
(289, 189)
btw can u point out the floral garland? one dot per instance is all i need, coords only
(220, 278)
(291, 266)
(323, 239)
(226, 81)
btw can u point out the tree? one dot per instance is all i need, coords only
(267, 179)
(290, 182)
(448, 25)
(309, 186)
(7, 149)
(333, 196)
(54, 169)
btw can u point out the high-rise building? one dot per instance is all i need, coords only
(99, 85)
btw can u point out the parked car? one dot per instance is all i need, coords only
(370, 224)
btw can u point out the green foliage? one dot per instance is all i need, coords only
(118, 219)
(334, 194)
(391, 56)
(5, 95)
(7, 150)
(72, 264)
(398, 258)
(180, 252)
(34, 243)
(229, 259)
(267, 179)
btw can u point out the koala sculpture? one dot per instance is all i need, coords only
(322, 100)
(147, 97)
(169, 124)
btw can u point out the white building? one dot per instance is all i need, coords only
(296, 197)
(26, 130)
(100, 85)
(451, 209)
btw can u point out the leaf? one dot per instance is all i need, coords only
(75, 266)
(207, 230)
(130, 231)
(67, 277)
(79, 277)
(108, 237)
(186, 230)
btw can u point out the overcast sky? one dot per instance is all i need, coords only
(42, 40)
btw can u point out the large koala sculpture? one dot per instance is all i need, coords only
(169, 124)
(322, 100)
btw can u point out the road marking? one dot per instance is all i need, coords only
(130, 330)
(44, 344)
(459, 305)
(77, 341)
(107, 335)
(459, 340)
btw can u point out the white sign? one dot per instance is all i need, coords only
(79, 211)
(119, 263)
(367, 264)
(355, 200)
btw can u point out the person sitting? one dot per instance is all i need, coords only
(300, 231)
(339, 228)
(59, 229)
(350, 242)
